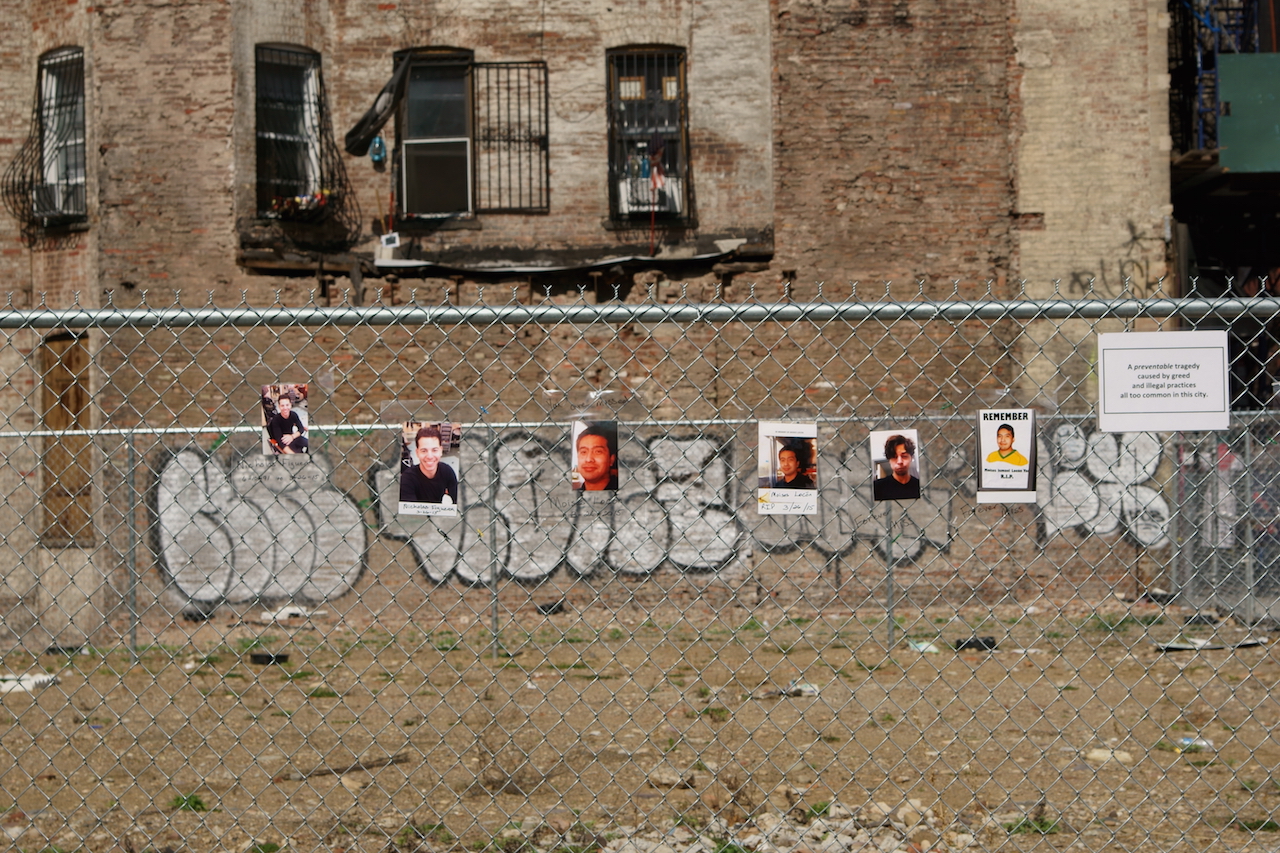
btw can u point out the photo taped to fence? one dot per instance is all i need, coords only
(429, 468)
(787, 468)
(895, 464)
(1007, 455)
(284, 419)
(594, 464)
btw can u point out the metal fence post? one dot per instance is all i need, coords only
(491, 453)
(888, 560)
(132, 562)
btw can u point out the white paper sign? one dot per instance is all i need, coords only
(1163, 381)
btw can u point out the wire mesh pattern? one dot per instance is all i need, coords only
(212, 647)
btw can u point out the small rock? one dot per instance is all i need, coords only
(908, 815)
(874, 814)
(665, 777)
(767, 821)
(353, 783)
(560, 820)
(887, 842)
(1100, 755)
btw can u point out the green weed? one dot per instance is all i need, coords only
(188, 803)
(717, 713)
(1032, 826)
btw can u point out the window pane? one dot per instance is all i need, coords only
(647, 159)
(62, 132)
(288, 132)
(281, 93)
(437, 102)
(437, 177)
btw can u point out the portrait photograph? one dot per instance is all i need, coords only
(895, 464)
(1007, 454)
(787, 468)
(285, 426)
(594, 456)
(430, 473)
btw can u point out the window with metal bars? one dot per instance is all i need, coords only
(44, 186)
(472, 136)
(301, 179)
(648, 134)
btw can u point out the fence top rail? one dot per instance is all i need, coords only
(1240, 420)
(584, 313)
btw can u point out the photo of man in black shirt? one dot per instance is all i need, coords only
(287, 432)
(431, 480)
(900, 484)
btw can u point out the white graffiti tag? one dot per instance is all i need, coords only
(520, 515)
(263, 530)
(1095, 483)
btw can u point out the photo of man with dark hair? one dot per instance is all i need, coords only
(786, 467)
(1005, 473)
(595, 457)
(284, 419)
(794, 458)
(430, 481)
(429, 484)
(1004, 451)
(288, 433)
(897, 474)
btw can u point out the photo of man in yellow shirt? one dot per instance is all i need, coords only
(1004, 451)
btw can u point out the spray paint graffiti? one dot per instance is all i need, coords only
(847, 514)
(263, 529)
(520, 516)
(1095, 484)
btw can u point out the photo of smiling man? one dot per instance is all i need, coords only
(595, 456)
(428, 469)
(1007, 454)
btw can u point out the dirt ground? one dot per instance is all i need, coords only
(429, 735)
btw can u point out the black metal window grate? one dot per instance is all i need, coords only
(648, 134)
(44, 186)
(301, 180)
(472, 137)
(512, 168)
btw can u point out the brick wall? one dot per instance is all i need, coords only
(164, 160)
(1092, 165)
(893, 134)
(1093, 152)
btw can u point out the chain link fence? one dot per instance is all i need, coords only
(213, 643)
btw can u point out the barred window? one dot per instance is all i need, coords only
(288, 117)
(301, 180)
(45, 184)
(472, 136)
(648, 134)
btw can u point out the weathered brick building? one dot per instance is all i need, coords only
(874, 140)
(194, 150)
